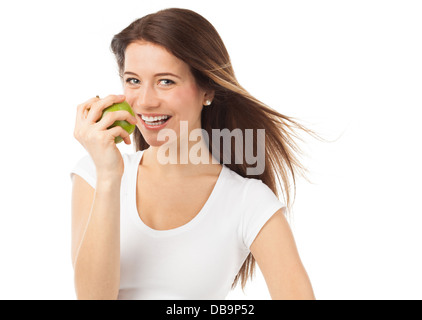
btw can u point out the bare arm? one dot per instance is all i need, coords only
(96, 238)
(275, 251)
(96, 213)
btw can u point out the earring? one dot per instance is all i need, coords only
(208, 102)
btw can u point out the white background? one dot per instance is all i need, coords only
(351, 70)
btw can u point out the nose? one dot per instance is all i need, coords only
(144, 98)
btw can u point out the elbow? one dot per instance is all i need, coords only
(102, 296)
(293, 292)
(96, 287)
(95, 293)
(292, 295)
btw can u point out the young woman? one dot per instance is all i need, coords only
(159, 224)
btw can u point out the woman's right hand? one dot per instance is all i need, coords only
(97, 139)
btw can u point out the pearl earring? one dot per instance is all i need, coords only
(208, 102)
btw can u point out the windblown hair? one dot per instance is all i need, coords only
(194, 40)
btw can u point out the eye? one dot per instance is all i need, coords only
(132, 81)
(166, 82)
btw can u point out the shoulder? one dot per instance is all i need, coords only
(248, 186)
(249, 194)
(234, 179)
(254, 202)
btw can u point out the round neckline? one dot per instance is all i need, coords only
(167, 232)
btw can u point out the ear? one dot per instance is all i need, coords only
(208, 95)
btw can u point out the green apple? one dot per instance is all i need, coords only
(123, 123)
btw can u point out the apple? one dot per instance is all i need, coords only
(123, 123)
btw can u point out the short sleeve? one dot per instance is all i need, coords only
(85, 168)
(260, 205)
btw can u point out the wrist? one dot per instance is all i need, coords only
(108, 179)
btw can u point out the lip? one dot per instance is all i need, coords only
(149, 127)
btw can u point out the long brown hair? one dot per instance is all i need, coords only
(194, 40)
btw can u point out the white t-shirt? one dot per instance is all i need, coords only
(198, 260)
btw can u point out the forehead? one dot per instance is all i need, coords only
(145, 57)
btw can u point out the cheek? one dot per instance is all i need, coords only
(130, 96)
(186, 101)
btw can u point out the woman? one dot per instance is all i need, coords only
(144, 228)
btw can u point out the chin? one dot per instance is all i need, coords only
(153, 142)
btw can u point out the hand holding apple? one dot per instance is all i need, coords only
(99, 131)
(122, 123)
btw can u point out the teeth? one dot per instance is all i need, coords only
(150, 119)
(154, 123)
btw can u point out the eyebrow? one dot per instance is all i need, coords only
(155, 75)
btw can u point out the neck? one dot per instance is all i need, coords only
(180, 158)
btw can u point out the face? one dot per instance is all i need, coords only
(161, 90)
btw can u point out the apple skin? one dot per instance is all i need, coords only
(123, 123)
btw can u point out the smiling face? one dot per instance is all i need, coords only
(161, 90)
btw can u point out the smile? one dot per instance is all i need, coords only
(154, 121)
